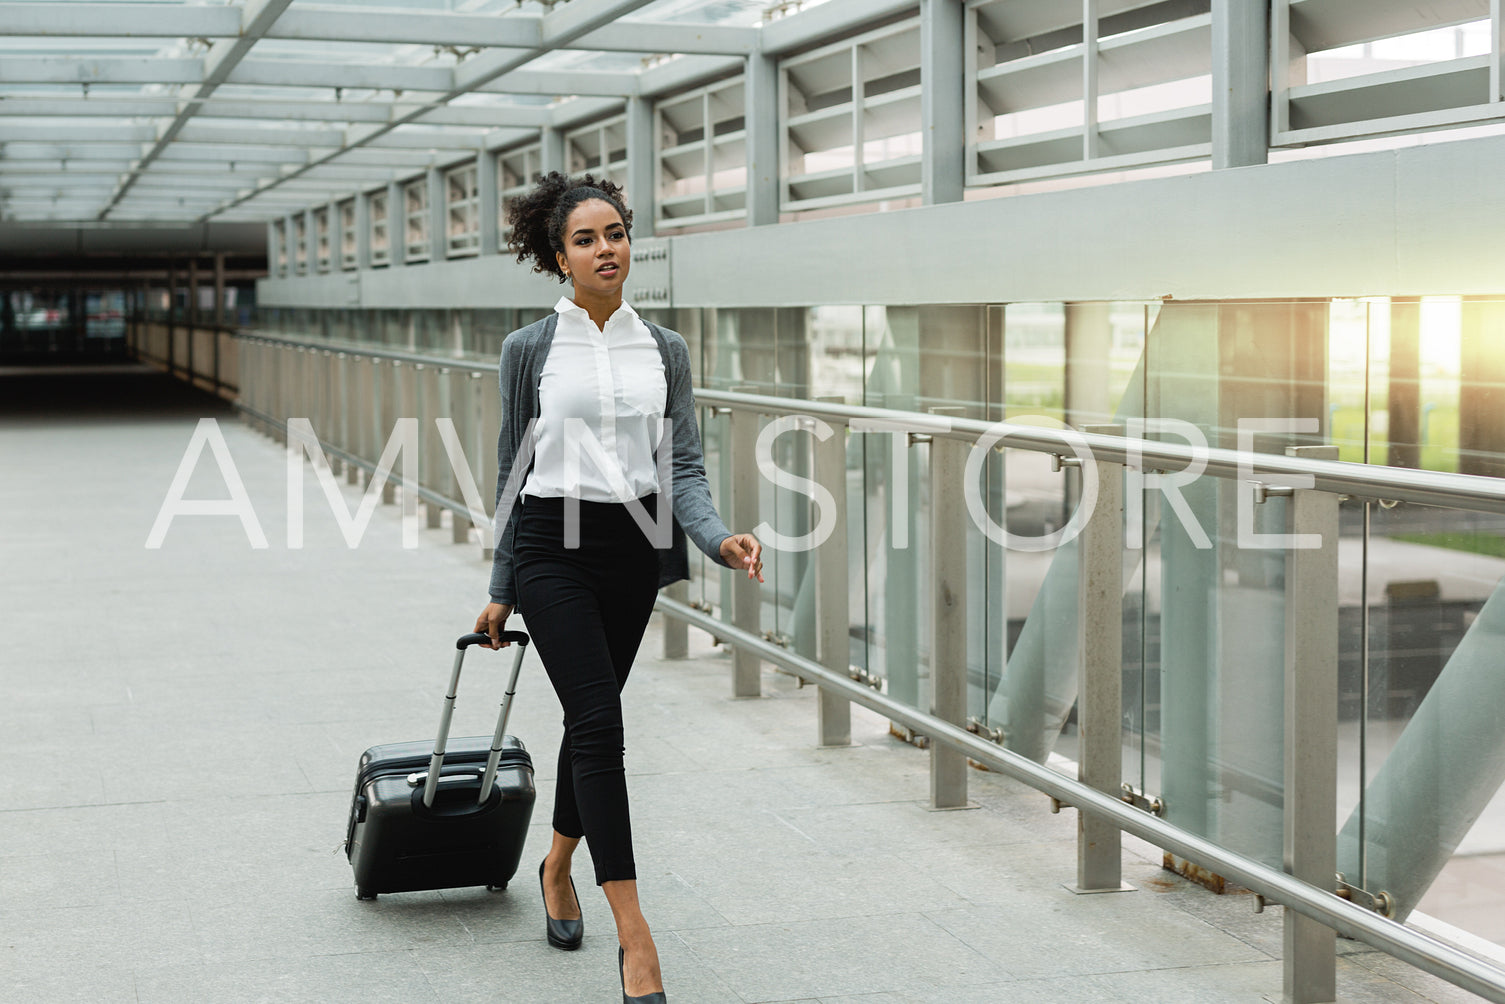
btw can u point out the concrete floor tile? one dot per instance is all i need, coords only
(57, 880)
(1067, 935)
(291, 925)
(83, 830)
(773, 962)
(62, 939)
(387, 977)
(82, 984)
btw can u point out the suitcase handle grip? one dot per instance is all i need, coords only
(436, 762)
(485, 639)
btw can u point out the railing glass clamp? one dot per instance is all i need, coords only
(1140, 800)
(1380, 902)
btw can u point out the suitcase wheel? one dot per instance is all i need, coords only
(362, 893)
(499, 887)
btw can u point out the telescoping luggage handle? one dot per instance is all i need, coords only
(431, 783)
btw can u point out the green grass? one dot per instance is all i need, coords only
(1491, 544)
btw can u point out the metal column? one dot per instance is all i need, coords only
(221, 320)
(832, 595)
(397, 226)
(948, 645)
(438, 214)
(762, 118)
(363, 231)
(1311, 732)
(942, 101)
(488, 199)
(1100, 621)
(746, 602)
(642, 195)
(192, 312)
(551, 152)
(1240, 83)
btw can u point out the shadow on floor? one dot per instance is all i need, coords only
(100, 392)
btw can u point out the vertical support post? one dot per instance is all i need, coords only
(943, 123)
(676, 631)
(859, 121)
(487, 198)
(1240, 78)
(761, 116)
(1100, 673)
(1496, 49)
(948, 645)
(192, 313)
(641, 159)
(1311, 732)
(310, 242)
(172, 315)
(1089, 79)
(273, 268)
(397, 226)
(290, 244)
(362, 231)
(551, 152)
(746, 666)
(832, 590)
(221, 316)
(438, 215)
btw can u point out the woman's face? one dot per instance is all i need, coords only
(596, 250)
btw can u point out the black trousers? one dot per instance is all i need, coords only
(586, 609)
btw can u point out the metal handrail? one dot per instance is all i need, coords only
(1407, 944)
(1431, 488)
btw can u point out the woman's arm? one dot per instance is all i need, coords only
(503, 589)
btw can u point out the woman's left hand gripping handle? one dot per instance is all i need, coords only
(493, 621)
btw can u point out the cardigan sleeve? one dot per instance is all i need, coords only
(693, 508)
(503, 587)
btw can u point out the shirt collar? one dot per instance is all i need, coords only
(623, 313)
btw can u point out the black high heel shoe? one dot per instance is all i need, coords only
(565, 934)
(657, 997)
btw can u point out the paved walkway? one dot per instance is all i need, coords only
(180, 728)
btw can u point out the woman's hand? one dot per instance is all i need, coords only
(491, 622)
(741, 550)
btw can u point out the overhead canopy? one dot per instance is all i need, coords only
(241, 110)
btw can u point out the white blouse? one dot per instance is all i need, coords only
(601, 401)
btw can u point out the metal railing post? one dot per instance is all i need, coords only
(948, 644)
(833, 618)
(1311, 732)
(1100, 614)
(676, 631)
(432, 401)
(747, 668)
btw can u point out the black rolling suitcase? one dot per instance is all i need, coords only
(424, 816)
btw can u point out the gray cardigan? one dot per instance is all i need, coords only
(523, 355)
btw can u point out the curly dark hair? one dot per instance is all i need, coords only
(538, 219)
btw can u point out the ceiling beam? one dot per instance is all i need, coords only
(575, 83)
(256, 17)
(492, 115)
(104, 70)
(349, 76)
(92, 131)
(377, 25)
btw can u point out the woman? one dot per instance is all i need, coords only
(596, 407)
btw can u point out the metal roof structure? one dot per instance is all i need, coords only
(239, 110)
(224, 111)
